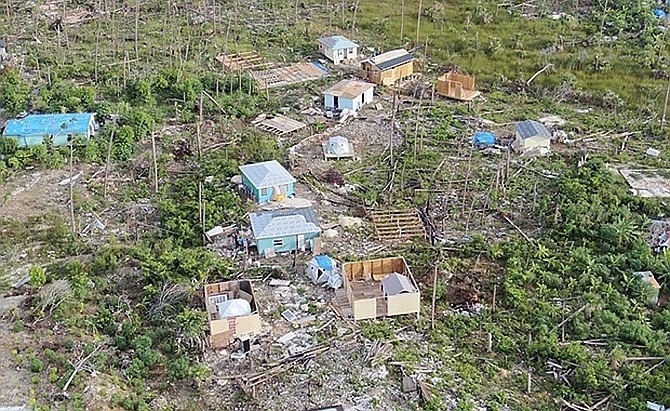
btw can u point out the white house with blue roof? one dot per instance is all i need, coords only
(338, 48)
(531, 134)
(285, 230)
(267, 181)
(58, 129)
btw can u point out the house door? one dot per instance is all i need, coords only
(301, 241)
(336, 101)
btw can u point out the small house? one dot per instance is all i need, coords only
(338, 147)
(232, 312)
(57, 129)
(348, 94)
(456, 86)
(285, 230)
(322, 269)
(388, 68)
(338, 49)
(531, 134)
(649, 279)
(382, 287)
(267, 181)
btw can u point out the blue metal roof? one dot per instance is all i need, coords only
(325, 262)
(337, 42)
(40, 125)
(531, 128)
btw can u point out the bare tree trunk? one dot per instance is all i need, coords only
(418, 22)
(137, 29)
(72, 222)
(402, 19)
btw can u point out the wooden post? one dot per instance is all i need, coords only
(490, 343)
(198, 126)
(432, 313)
(155, 161)
(665, 106)
(418, 22)
(108, 160)
(493, 305)
(528, 383)
(74, 228)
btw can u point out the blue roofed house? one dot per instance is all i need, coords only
(59, 129)
(267, 181)
(338, 48)
(531, 134)
(351, 94)
(285, 230)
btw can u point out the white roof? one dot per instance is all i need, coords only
(233, 308)
(349, 88)
(284, 222)
(267, 174)
(338, 145)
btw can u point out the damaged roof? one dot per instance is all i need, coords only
(349, 88)
(284, 222)
(531, 128)
(391, 59)
(266, 174)
(40, 125)
(337, 42)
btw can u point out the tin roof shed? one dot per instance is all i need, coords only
(337, 42)
(530, 128)
(38, 126)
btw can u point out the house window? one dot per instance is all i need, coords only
(278, 242)
(263, 192)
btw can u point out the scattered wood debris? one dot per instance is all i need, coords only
(394, 225)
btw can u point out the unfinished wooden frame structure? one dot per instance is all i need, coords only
(242, 61)
(283, 76)
(223, 331)
(364, 293)
(279, 125)
(457, 86)
(397, 225)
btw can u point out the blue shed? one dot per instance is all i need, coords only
(59, 129)
(484, 138)
(267, 181)
(285, 230)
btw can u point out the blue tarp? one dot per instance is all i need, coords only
(324, 262)
(484, 138)
(660, 13)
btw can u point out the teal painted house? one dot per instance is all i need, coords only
(285, 230)
(267, 181)
(59, 129)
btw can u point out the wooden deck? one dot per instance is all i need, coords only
(397, 225)
(279, 125)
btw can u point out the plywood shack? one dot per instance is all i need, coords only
(457, 86)
(388, 68)
(225, 329)
(366, 296)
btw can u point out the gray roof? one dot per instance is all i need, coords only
(284, 222)
(267, 174)
(395, 284)
(395, 62)
(337, 42)
(531, 128)
(338, 145)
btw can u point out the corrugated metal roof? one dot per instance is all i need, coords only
(395, 284)
(267, 174)
(391, 59)
(349, 88)
(337, 42)
(338, 145)
(38, 125)
(531, 128)
(283, 223)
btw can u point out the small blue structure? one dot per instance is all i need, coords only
(322, 269)
(267, 181)
(59, 129)
(484, 138)
(660, 13)
(285, 230)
